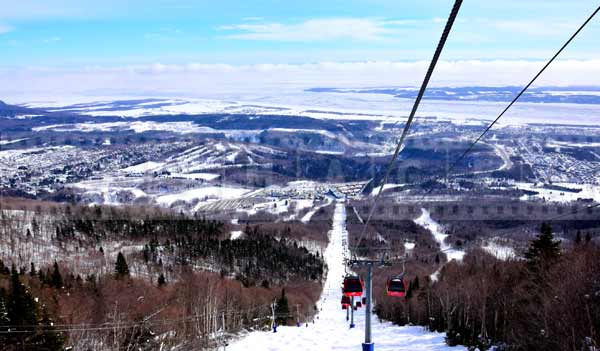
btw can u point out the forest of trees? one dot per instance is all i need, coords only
(548, 301)
(21, 312)
(188, 241)
(246, 257)
(119, 312)
(198, 280)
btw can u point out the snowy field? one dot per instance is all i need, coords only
(328, 105)
(203, 194)
(588, 191)
(330, 330)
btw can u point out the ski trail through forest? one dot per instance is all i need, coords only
(330, 330)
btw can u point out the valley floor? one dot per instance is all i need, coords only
(330, 330)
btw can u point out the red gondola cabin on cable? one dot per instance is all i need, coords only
(353, 286)
(396, 287)
(346, 302)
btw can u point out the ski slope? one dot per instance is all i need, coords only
(437, 230)
(330, 330)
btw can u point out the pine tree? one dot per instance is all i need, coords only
(409, 291)
(32, 271)
(588, 237)
(544, 248)
(282, 310)
(121, 268)
(3, 268)
(42, 276)
(146, 253)
(98, 212)
(3, 308)
(47, 338)
(56, 279)
(22, 309)
(161, 280)
(4, 320)
(578, 238)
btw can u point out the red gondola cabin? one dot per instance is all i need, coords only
(353, 286)
(396, 287)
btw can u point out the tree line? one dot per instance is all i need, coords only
(197, 276)
(550, 300)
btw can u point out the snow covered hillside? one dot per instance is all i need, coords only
(437, 230)
(330, 330)
(207, 156)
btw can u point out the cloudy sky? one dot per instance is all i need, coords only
(126, 45)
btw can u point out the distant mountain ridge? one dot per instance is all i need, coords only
(7, 110)
(572, 95)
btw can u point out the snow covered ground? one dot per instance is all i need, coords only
(143, 167)
(330, 330)
(136, 126)
(387, 186)
(306, 218)
(203, 194)
(236, 234)
(409, 247)
(588, 191)
(437, 230)
(501, 252)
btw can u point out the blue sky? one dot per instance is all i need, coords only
(201, 48)
(81, 33)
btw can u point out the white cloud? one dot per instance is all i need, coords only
(361, 29)
(379, 29)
